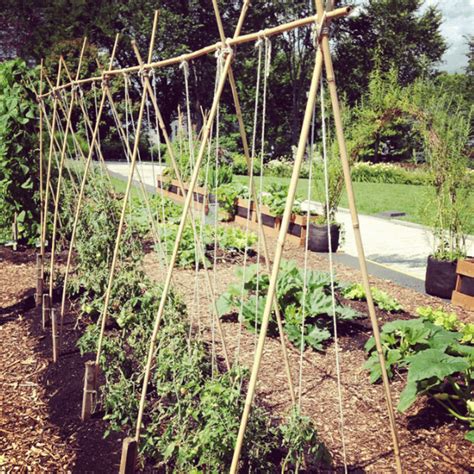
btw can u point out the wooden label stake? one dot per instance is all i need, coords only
(90, 390)
(46, 311)
(129, 456)
(54, 335)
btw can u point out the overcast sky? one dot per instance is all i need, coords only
(458, 21)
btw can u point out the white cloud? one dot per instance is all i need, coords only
(458, 16)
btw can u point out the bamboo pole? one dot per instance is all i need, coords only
(357, 234)
(41, 167)
(199, 245)
(144, 192)
(243, 136)
(278, 257)
(40, 257)
(187, 204)
(48, 172)
(248, 38)
(80, 101)
(58, 187)
(61, 99)
(81, 192)
(133, 160)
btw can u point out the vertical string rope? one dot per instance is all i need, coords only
(305, 266)
(259, 46)
(331, 273)
(266, 73)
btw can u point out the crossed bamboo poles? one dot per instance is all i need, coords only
(322, 57)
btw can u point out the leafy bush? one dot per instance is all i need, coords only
(438, 365)
(18, 151)
(388, 173)
(239, 165)
(249, 302)
(228, 238)
(275, 198)
(95, 240)
(446, 134)
(382, 299)
(280, 168)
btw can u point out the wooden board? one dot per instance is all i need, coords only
(466, 301)
(465, 268)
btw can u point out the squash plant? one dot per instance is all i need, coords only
(314, 304)
(438, 365)
(18, 151)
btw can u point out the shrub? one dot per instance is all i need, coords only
(239, 165)
(388, 173)
(18, 151)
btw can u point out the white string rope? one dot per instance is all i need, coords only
(266, 73)
(185, 67)
(160, 164)
(305, 267)
(331, 273)
(259, 46)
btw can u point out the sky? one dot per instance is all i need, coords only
(458, 18)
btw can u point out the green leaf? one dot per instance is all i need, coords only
(470, 436)
(408, 396)
(434, 363)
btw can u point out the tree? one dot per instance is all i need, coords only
(387, 33)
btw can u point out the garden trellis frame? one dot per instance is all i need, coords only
(225, 47)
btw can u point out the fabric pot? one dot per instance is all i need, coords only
(440, 278)
(318, 238)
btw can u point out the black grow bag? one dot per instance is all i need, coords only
(440, 278)
(318, 238)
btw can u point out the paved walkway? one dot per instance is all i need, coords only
(398, 245)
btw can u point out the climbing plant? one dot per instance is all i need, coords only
(18, 157)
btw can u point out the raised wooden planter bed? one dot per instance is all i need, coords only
(245, 212)
(171, 189)
(463, 294)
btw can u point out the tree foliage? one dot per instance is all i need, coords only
(386, 33)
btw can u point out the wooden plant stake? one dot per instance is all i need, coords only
(46, 311)
(355, 224)
(278, 256)
(245, 146)
(197, 239)
(54, 334)
(48, 172)
(133, 160)
(41, 191)
(89, 394)
(60, 173)
(39, 280)
(82, 191)
(128, 459)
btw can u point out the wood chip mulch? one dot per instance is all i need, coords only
(40, 428)
(430, 441)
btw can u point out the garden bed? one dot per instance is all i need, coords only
(245, 214)
(41, 403)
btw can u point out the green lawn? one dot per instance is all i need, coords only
(372, 198)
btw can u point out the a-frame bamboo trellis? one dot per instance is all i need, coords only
(225, 47)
